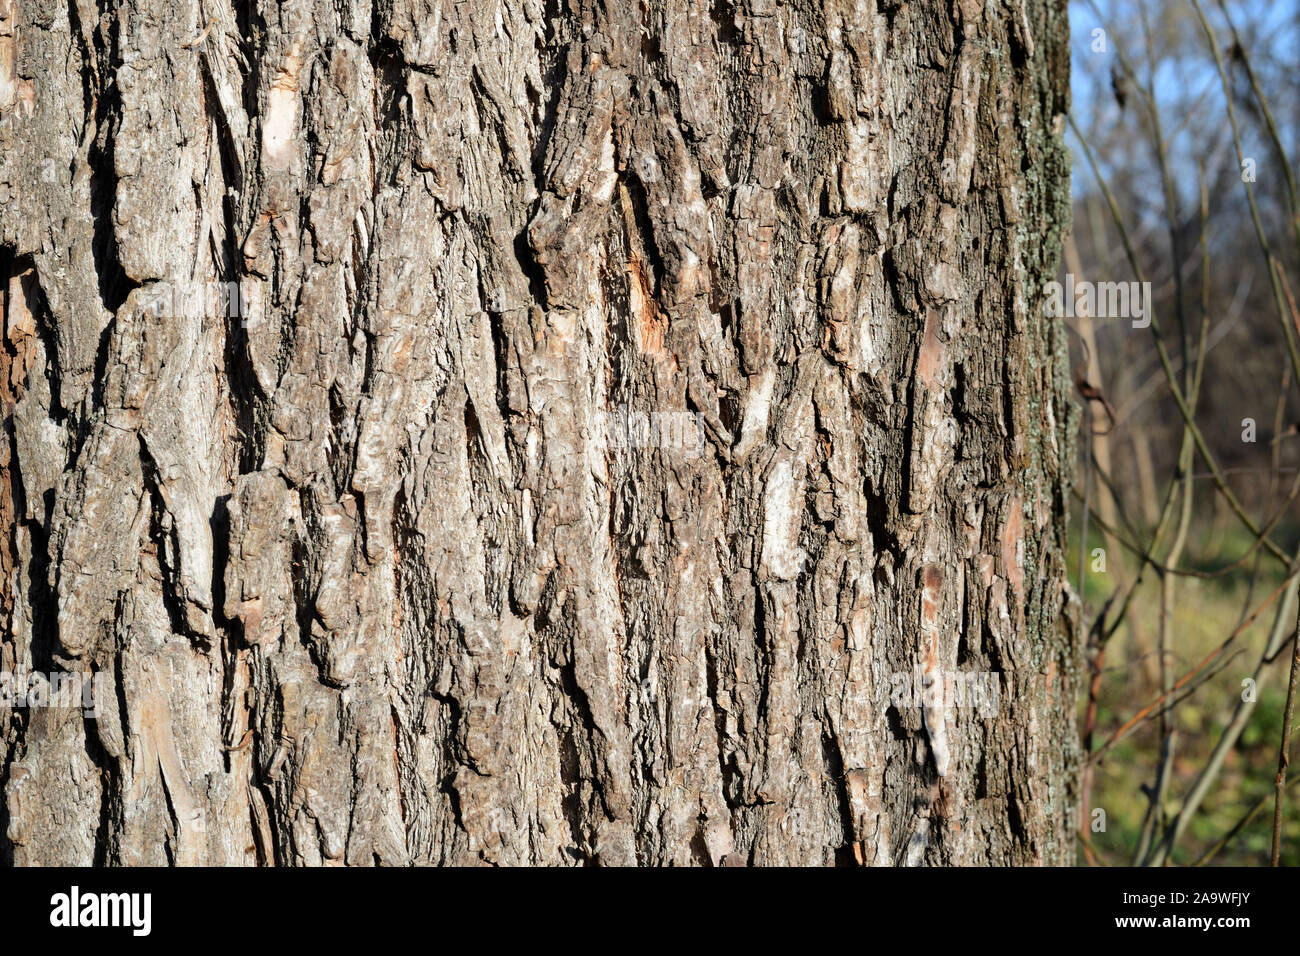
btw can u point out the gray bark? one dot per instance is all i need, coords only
(369, 573)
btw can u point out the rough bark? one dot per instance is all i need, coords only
(369, 574)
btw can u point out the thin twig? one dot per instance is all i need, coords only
(1283, 755)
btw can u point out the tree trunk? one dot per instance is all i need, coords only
(624, 409)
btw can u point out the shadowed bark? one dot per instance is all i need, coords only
(619, 400)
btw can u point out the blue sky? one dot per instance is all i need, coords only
(1185, 83)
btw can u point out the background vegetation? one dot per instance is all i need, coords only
(1185, 127)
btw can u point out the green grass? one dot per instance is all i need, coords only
(1205, 612)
